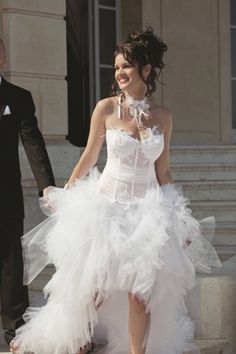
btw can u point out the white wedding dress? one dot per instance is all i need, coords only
(109, 235)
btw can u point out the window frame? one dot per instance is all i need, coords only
(96, 96)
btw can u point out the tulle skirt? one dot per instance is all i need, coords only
(102, 251)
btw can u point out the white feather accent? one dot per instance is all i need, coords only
(138, 109)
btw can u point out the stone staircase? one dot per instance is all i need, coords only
(209, 346)
(208, 176)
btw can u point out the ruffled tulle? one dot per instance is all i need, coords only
(103, 250)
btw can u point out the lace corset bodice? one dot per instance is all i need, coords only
(129, 172)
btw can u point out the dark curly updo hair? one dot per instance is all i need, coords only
(143, 48)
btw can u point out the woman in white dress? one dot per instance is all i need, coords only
(124, 244)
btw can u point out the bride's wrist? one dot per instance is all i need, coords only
(68, 184)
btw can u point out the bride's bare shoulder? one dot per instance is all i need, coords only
(162, 117)
(107, 105)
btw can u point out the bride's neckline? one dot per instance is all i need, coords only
(151, 132)
(139, 109)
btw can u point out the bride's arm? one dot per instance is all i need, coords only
(162, 167)
(95, 140)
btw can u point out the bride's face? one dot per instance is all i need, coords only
(127, 75)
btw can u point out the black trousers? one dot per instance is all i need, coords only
(14, 296)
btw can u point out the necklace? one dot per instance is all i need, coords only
(138, 109)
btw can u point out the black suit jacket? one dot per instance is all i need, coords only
(20, 123)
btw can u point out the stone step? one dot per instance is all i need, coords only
(225, 240)
(65, 152)
(203, 171)
(220, 159)
(225, 233)
(3, 346)
(212, 305)
(216, 346)
(215, 156)
(196, 154)
(194, 190)
(203, 154)
(212, 346)
(223, 211)
(210, 190)
(225, 252)
(63, 157)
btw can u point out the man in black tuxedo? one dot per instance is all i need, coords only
(17, 119)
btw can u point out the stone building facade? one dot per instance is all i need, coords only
(196, 83)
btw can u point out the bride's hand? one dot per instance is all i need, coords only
(13, 347)
(46, 191)
(44, 201)
(68, 184)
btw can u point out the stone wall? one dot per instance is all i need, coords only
(131, 16)
(35, 36)
(196, 83)
(197, 79)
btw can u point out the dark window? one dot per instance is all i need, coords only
(233, 59)
(233, 12)
(78, 71)
(233, 51)
(91, 39)
(106, 79)
(107, 2)
(107, 34)
(234, 103)
(106, 24)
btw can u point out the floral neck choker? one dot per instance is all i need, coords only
(138, 109)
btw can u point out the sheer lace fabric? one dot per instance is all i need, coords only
(129, 173)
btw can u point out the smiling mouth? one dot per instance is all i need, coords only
(123, 80)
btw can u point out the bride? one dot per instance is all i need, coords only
(124, 243)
